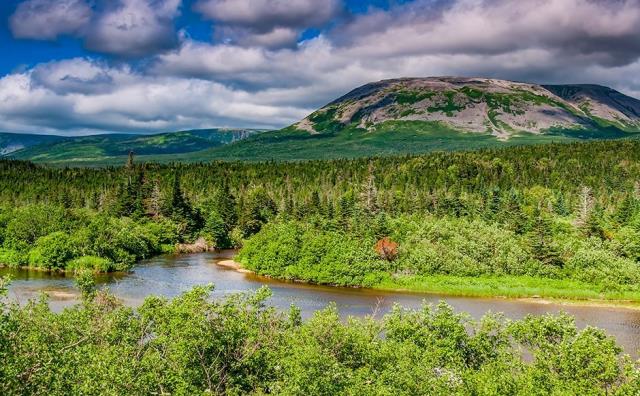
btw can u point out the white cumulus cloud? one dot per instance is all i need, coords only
(263, 82)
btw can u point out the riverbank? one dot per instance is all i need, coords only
(520, 288)
(234, 265)
(523, 288)
(170, 275)
(100, 265)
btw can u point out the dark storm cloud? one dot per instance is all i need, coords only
(128, 28)
(605, 32)
(134, 28)
(48, 19)
(266, 23)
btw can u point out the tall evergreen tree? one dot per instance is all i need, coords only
(315, 205)
(370, 192)
(626, 209)
(227, 206)
(258, 210)
(181, 210)
(541, 240)
(560, 205)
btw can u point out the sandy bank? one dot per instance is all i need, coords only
(230, 263)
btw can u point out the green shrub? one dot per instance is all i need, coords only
(598, 266)
(197, 345)
(13, 258)
(93, 263)
(316, 251)
(52, 251)
(629, 240)
(28, 223)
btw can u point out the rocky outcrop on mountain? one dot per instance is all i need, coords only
(478, 105)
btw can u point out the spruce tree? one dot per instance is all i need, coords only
(370, 192)
(181, 210)
(541, 240)
(258, 210)
(594, 225)
(560, 206)
(226, 206)
(314, 204)
(626, 209)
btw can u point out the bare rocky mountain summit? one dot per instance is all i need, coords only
(480, 105)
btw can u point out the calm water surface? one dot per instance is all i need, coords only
(171, 275)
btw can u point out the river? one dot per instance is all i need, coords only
(171, 275)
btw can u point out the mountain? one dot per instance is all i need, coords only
(389, 117)
(501, 108)
(113, 149)
(412, 115)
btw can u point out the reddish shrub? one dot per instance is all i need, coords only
(386, 249)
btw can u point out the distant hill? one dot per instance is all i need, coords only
(390, 117)
(413, 115)
(113, 149)
(11, 142)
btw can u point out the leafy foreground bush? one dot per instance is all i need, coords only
(193, 345)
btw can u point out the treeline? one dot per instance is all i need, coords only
(547, 197)
(195, 345)
(452, 182)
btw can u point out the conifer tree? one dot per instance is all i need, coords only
(226, 206)
(181, 210)
(541, 240)
(560, 206)
(626, 209)
(585, 205)
(594, 225)
(155, 200)
(345, 209)
(258, 210)
(315, 205)
(130, 164)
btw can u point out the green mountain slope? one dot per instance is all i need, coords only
(390, 117)
(389, 138)
(114, 148)
(448, 113)
(11, 142)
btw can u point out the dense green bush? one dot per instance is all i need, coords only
(320, 252)
(52, 251)
(50, 237)
(598, 266)
(91, 263)
(460, 247)
(13, 258)
(28, 223)
(296, 250)
(195, 345)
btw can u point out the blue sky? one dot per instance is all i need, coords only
(20, 53)
(94, 66)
